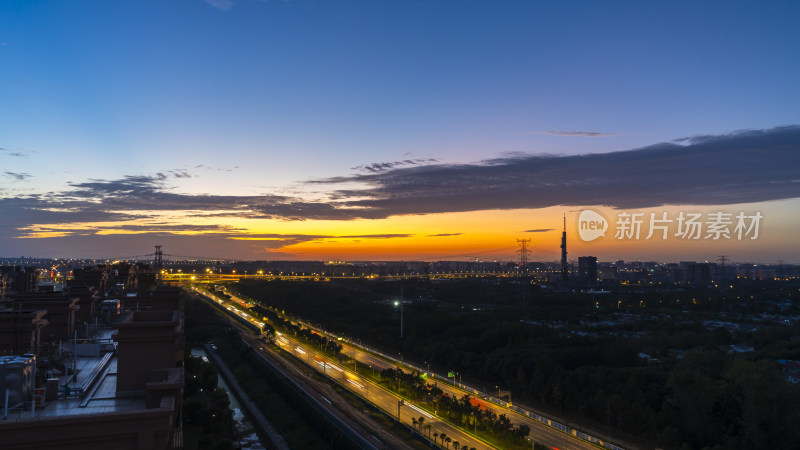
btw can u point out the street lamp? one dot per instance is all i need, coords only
(400, 303)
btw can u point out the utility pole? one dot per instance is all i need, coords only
(523, 253)
(722, 259)
(523, 260)
(157, 263)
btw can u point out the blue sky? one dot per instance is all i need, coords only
(249, 98)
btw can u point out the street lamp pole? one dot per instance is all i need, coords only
(401, 320)
(400, 304)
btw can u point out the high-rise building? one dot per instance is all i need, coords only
(587, 269)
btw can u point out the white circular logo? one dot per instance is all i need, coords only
(591, 225)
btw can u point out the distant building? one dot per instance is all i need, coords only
(587, 270)
(609, 274)
(695, 274)
(15, 279)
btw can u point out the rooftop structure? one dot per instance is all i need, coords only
(60, 311)
(128, 398)
(114, 387)
(147, 340)
(20, 331)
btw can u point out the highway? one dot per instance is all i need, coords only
(547, 433)
(540, 432)
(201, 277)
(376, 394)
(322, 395)
(366, 389)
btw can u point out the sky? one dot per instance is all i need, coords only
(398, 130)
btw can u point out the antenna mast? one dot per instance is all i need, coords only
(564, 266)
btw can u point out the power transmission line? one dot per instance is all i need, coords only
(523, 252)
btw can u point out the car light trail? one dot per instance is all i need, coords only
(358, 385)
(419, 410)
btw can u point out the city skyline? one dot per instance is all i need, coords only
(304, 130)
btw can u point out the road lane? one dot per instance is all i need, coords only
(374, 435)
(374, 393)
(540, 432)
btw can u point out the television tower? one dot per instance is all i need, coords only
(564, 267)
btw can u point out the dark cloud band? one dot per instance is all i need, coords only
(741, 167)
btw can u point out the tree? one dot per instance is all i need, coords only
(521, 431)
(502, 425)
(420, 421)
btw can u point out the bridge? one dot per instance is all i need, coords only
(222, 277)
